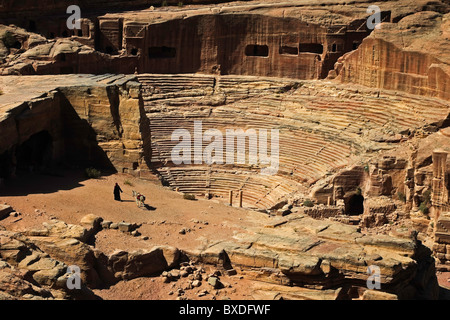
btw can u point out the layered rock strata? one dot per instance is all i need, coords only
(325, 260)
(409, 56)
(319, 135)
(94, 121)
(295, 257)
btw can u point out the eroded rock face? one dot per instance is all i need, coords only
(409, 56)
(90, 122)
(300, 39)
(300, 258)
(441, 245)
(327, 260)
(320, 139)
(332, 135)
(43, 257)
(129, 265)
(27, 272)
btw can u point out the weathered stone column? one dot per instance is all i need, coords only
(441, 246)
(240, 198)
(439, 195)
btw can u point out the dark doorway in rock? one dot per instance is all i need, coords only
(161, 52)
(5, 165)
(311, 48)
(35, 153)
(66, 70)
(289, 50)
(109, 50)
(254, 50)
(354, 205)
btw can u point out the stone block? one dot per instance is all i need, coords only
(443, 225)
(125, 226)
(439, 247)
(378, 295)
(91, 222)
(215, 282)
(106, 224)
(442, 237)
(5, 210)
(230, 272)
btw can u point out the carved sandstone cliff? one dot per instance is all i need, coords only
(90, 121)
(411, 56)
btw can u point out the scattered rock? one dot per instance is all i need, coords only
(5, 210)
(91, 222)
(175, 273)
(125, 226)
(135, 233)
(230, 272)
(106, 224)
(378, 295)
(197, 276)
(215, 282)
(184, 273)
(188, 286)
(114, 225)
(203, 293)
(180, 292)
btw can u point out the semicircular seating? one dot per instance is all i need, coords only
(323, 127)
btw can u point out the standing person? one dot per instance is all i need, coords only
(117, 192)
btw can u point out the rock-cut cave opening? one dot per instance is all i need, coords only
(354, 205)
(35, 153)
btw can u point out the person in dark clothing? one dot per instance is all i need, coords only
(117, 192)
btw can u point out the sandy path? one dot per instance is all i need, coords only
(71, 196)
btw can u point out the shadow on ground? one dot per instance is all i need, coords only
(444, 293)
(148, 207)
(26, 183)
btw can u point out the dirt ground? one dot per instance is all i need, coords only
(69, 196)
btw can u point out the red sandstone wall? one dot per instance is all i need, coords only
(381, 64)
(14, 8)
(218, 42)
(234, 36)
